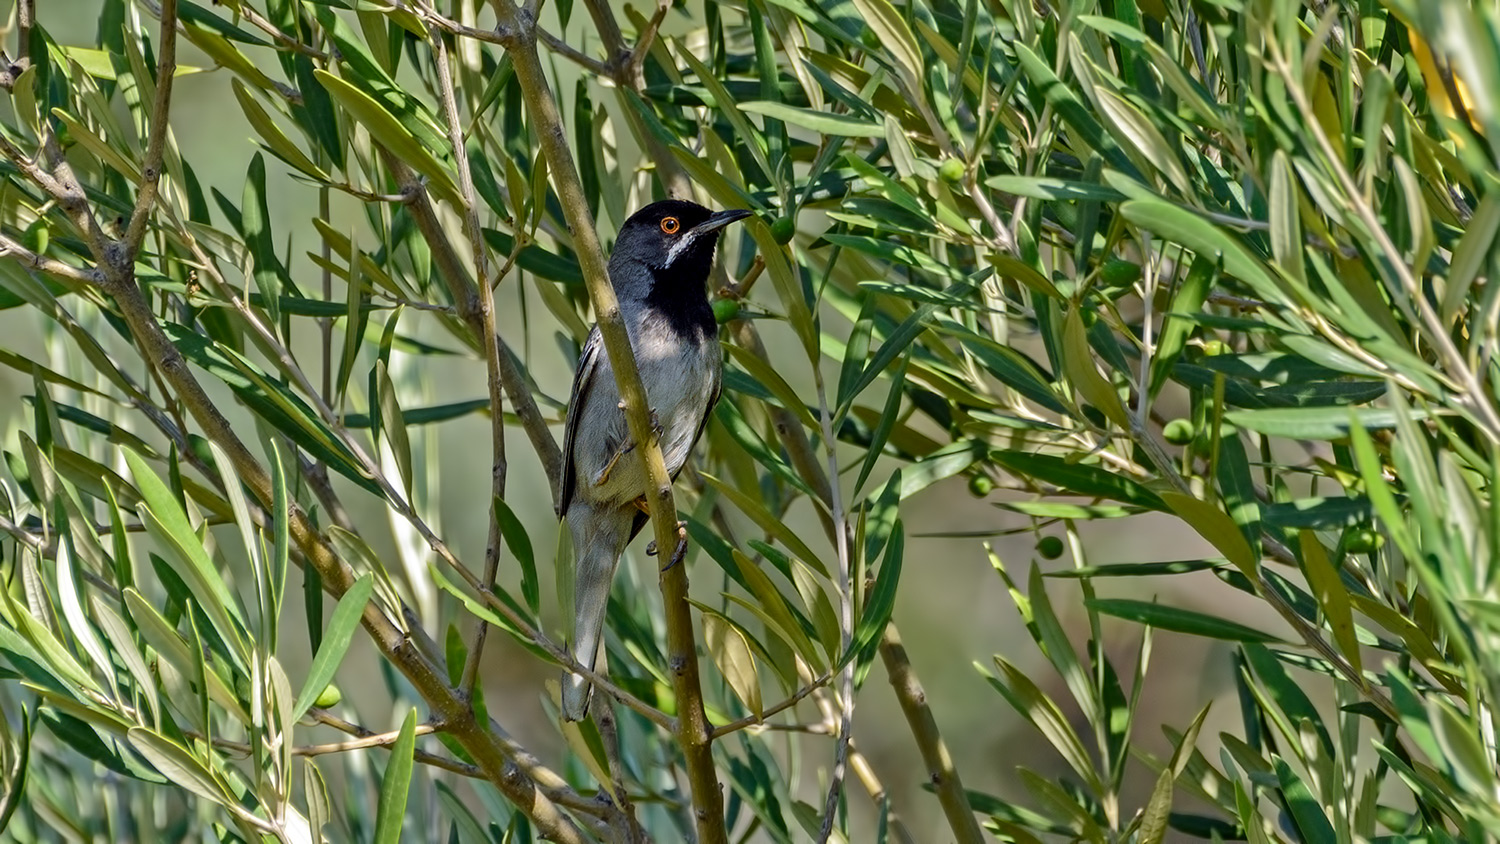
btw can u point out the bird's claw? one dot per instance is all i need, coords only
(677, 553)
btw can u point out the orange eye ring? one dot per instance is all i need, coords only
(670, 225)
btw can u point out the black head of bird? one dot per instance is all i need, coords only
(667, 248)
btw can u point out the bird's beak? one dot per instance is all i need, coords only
(707, 229)
(719, 220)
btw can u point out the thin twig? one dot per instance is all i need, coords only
(846, 611)
(479, 311)
(636, 63)
(609, 735)
(246, 12)
(156, 141)
(750, 721)
(621, 68)
(367, 740)
(41, 263)
(567, 51)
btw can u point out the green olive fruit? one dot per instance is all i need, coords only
(951, 170)
(1049, 547)
(329, 697)
(784, 229)
(1118, 272)
(1362, 540)
(725, 310)
(980, 485)
(1178, 432)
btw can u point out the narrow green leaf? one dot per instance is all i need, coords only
(1178, 325)
(163, 516)
(769, 523)
(256, 224)
(520, 545)
(824, 122)
(1204, 238)
(276, 140)
(395, 785)
(1314, 423)
(393, 424)
(387, 131)
(880, 602)
(179, 766)
(1332, 596)
(1477, 244)
(1179, 620)
(1079, 478)
(1304, 807)
(732, 654)
(1217, 527)
(769, 378)
(892, 33)
(1078, 363)
(341, 626)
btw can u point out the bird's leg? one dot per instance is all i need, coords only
(603, 477)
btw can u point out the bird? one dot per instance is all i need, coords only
(659, 269)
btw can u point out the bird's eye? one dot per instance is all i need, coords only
(670, 225)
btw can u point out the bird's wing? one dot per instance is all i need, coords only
(713, 400)
(588, 361)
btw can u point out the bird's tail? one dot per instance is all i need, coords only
(598, 539)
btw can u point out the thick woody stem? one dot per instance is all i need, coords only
(692, 728)
(940, 770)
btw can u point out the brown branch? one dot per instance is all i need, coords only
(156, 141)
(940, 770)
(567, 51)
(478, 309)
(636, 62)
(367, 739)
(25, 20)
(692, 733)
(41, 263)
(466, 293)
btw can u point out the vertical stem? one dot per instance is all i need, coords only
(479, 309)
(156, 141)
(940, 770)
(692, 728)
(24, 22)
(846, 611)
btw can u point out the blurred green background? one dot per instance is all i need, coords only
(952, 607)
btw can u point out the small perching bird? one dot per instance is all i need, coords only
(659, 268)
